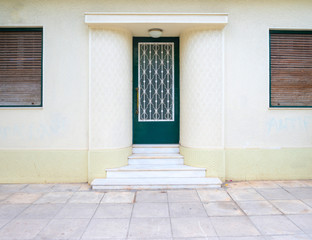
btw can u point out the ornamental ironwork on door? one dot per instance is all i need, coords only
(155, 82)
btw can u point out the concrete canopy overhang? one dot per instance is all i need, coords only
(172, 24)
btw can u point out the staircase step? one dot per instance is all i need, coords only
(155, 167)
(155, 183)
(156, 171)
(155, 161)
(151, 148)
(155, 156)
(155, 150)
(156, 145)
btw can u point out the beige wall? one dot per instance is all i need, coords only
(111, 88)
(201, 88)
(248, 122)
(63, 123)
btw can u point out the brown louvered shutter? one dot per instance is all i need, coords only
(291, 69)
(20, 67)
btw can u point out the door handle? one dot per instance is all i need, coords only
(137, 91)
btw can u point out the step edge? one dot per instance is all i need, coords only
(155, 157)
(150, 170)
(155, 187)
(212, 181)
(155, 146)
(158, 170)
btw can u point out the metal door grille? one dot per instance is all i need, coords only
(156, 82)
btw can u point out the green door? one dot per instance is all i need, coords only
(155, 90)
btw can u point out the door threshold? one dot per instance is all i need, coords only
(155, 145)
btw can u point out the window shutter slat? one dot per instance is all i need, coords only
(291, 69)
(20, 67)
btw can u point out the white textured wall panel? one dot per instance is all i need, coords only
(110, 96)
(201, 88)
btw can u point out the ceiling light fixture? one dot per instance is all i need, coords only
(155, 32)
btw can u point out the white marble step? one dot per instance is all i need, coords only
(156, 171)
(155, 183)
(141, 158)
(156, 156)
(155, 145)
(155, 149)
(155, 161)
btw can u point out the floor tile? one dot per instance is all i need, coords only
(212, 195)
(292, 206)
(275, 194)
(86, 197)
(242, 238)
(275, 225)
(11, 188)
(301, 193)
(216, 209)
(114, 210)
(77, 210)
(4, 196)
(184, 204)
(9, 211)
(42, 188)
(308, 202)
(150, 228)
(290, 184)
(23, 228)
(238, 185)
(308, 182)
(151, 196)
(118, 197)
(183, 196)
(64, 229)
(192, 227)
(41, 211)
(288, 237)
(4, 222)
(187, 210)
(110, 228)
(304, 222)
(101, 238)
(85, 187)
(245, 195)
(22, 198)
(264, 184)
(73, 187)
(234, 226)
(54, 197)
(258, 208)
(146, 210)
(198, 238)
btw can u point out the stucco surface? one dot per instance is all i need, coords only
(111, 89)
(99, 160)
(43, 166)
(63, 121)
(251, 164)
(201, 82)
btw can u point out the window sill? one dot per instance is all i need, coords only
(20, 108)
(290, 108)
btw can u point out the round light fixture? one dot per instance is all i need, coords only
(155, 32)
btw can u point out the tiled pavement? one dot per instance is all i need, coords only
(272, 210)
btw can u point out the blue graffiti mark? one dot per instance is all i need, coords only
(307, 121)
(289, 124)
